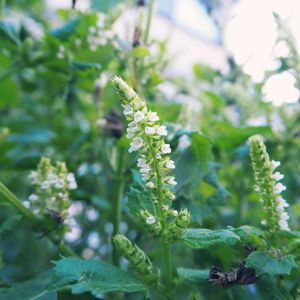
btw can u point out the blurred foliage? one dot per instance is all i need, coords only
(56, 101)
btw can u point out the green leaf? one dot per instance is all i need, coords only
(33, 289)
(248, 234)
(139, 52)
(138, 196)
(94, 276)
(105, 6)
(10, 223)
(10, 32)
(193, 275)
(200, 238)
(66, 30)
(264, 263)
(270, 289)
(227, 136)
(192, 163)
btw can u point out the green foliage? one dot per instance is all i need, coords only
(90, 275)
(200, 238)
(265, 263)
(192, 275)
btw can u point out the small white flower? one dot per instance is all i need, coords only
(26, 204)
(174, 213)
(172, 196)
(279, 187)
(59, 184)
(150, 185)
(77, 42)
(158, 156)
(275, 164)
(136, 144)
(72, 185)
(153, 117)
(150, 220)
(138, 116)
(45, 185)
(70, 177)
(165, 148)
(172, 181)
(92, 29)
(284, 216)
(277, 176)
(281, 202)
(33, 176)
(150, 130)
(53, 199)
(93, 47)
(60, 55)
(52, 178)
(133, 126)
(32, 197)
(141, 162)
(161, 130)
(284, 225)
(145, 176)
(145, 169)
(128, 110)
(170, 164)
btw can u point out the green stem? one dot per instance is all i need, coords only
(117, 200)
(166, 247)
(2, 7)
(149, 21)
(27, 213)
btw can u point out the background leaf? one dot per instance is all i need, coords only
(200, 238)
(264, 263)
(90, 275)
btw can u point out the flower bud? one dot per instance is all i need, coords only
(179, 225)
(137, 258)
(150, 222)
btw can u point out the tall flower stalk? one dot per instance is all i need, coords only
(147, 139)
(267, 185)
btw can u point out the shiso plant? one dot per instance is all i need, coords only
(144, 186)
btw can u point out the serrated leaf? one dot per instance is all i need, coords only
(248, 234)
(264, 263)
(138, 196)
(200, 238)
(192, 163)
(92, 276)
(193, 275)
(33, 289)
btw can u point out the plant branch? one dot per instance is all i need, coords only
(149, 21)
(117, 200)
(28, 214)
(166, 246)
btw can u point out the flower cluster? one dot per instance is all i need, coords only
(137, 258)
(98, 35)
(52, 185)
(147, 137)
(268, 185)
(61, 54)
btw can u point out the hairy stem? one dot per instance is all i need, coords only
(117, 200)
(166, 247)
(28, 214)
(149, 21)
